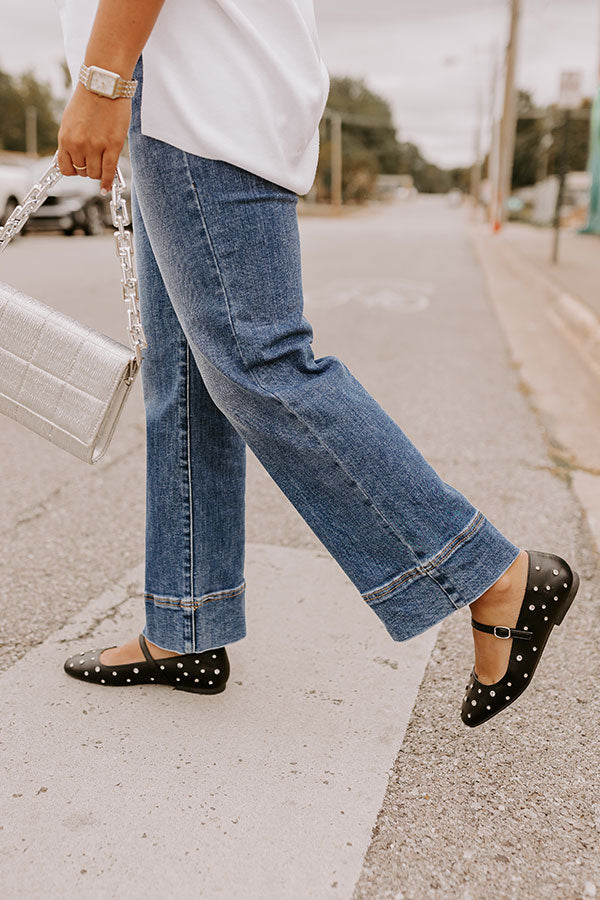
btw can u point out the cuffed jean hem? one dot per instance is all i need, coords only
(195, 624)
(457, 575)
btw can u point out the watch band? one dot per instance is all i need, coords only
(120, 86)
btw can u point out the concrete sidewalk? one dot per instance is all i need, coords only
(572, 284)
(578, 268)
(266, 791)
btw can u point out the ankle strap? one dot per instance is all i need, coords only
(145, 650)
(502, 631)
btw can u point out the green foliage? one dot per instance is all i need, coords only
(353, 97)
(530, 131)
(366, 150)
(18, 93)
(539, 141)
(428, 178)
(359, 169)
(370, 146)
(578, 143)
(461, 178)
(12, 115)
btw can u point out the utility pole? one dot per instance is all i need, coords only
(569, 100)
(493, 131)
(493, 172)
(562, 175)
(31, 130)
(335, 120)
(476, 167)
(508, 126)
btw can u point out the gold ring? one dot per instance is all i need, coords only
(79, 168)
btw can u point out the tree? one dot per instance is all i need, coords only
(579, 138)
(352, 96)
(12, 115)
(359, 169)
(18, 93)
(528, 143)
(370, 146)
(539, 140)
(532, 160)
(366, 150)
(428, 178)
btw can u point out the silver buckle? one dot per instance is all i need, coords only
(505, 628)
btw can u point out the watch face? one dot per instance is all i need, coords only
(102, 83)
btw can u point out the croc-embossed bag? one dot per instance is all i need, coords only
(59, 377)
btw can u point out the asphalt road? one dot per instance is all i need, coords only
(399, 294)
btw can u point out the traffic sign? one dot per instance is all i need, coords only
(571, 90)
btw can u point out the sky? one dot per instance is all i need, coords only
(431, 59)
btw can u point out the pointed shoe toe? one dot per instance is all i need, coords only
(549, 592)
(199, 673)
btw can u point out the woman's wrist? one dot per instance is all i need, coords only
(97, 98)
(123, 66)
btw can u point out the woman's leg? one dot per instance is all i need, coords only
(226, 243)
(195, 487)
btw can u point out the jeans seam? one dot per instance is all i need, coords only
(380, 593)
(268, 390)
(452, 546)
(195, 603)
(190, 493)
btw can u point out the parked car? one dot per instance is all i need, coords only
(75, 202)
(14, 184)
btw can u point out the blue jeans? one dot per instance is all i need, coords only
(229, 363)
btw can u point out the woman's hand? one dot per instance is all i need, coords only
(91, 135)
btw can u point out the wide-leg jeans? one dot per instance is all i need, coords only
(229, 364)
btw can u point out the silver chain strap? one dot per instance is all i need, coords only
(124, 246)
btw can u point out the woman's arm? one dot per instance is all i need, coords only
(93, 128)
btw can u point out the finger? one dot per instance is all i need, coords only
(65, 163)
(80, 167)
(110, 160)
(93, 162)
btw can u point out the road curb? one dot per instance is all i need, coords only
(569, 313)
(583, 324)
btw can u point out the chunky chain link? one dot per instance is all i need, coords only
(124, 246)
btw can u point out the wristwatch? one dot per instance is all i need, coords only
(106, 83)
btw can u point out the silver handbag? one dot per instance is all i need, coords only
(58, 377)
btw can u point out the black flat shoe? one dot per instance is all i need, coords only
(550, 590)
(200, 673)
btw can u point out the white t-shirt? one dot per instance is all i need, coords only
(237, 80)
